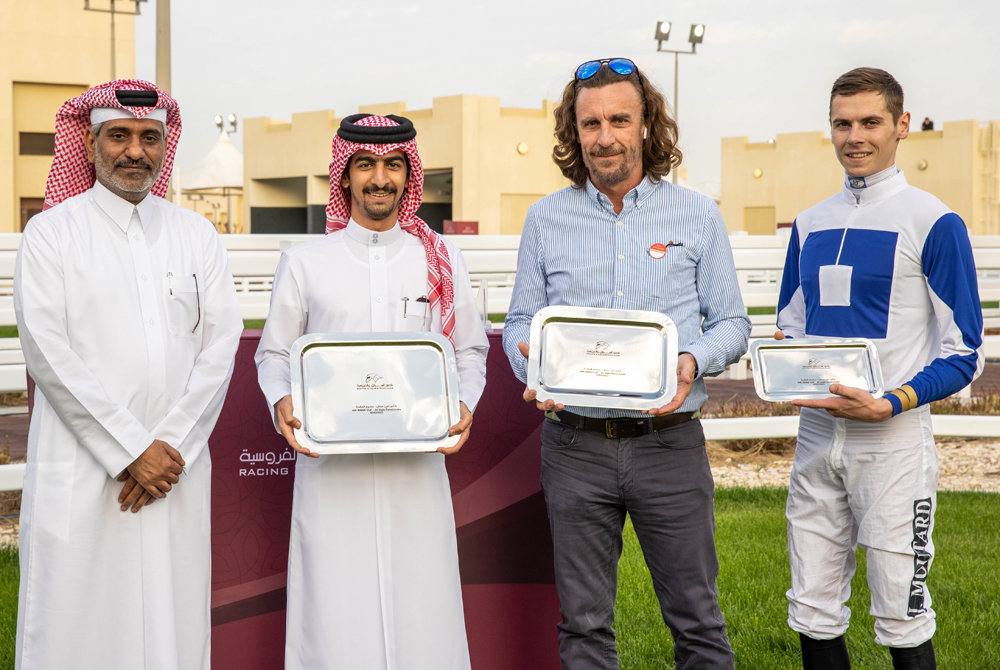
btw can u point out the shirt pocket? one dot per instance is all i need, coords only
(411, 316)
(183, 304)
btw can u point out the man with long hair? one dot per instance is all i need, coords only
(622, 237)
(888, 262)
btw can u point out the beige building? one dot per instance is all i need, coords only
(482, 162)
(50, 51)
(766, 184)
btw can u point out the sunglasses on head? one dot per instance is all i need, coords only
(622, 66)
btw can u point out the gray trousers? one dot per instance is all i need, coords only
(664, 483)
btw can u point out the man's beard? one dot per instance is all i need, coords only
(614, 176)
(119, 184)
(377, 211)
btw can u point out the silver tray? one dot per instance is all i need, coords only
(805, 367)
(616, 358)
(374, 392)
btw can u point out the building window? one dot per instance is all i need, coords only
(29, 208)
(38, 144)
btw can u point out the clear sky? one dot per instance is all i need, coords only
(765, 66)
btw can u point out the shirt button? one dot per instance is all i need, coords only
(152, 322)
(639, 205)
(620, 257)
(619, 223)
(376, 258)
(378, 299)
(144, 277)
(135, 237)
(620, 294)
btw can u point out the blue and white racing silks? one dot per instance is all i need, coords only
(893, 264)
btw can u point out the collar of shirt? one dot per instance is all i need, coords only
(371, 238)
(633, 198)
(872, 193)
(120, 210)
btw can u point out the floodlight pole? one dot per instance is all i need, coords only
(163, 45)
(677, 55)
(112, 11)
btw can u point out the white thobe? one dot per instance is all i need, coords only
(373, 577)
(129, 324)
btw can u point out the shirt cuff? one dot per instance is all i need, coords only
(701, 357)
(129, 433)
(902, 399)
(274, 392)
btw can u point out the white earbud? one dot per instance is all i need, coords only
(644, 132)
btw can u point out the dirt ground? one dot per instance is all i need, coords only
(965, 464)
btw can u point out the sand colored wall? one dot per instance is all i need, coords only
(959, 164)
(472, 136)
(49, 49)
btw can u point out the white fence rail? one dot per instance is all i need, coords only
(492, 260)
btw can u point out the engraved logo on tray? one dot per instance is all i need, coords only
(817, 364)
(602, 349)
(373, 382)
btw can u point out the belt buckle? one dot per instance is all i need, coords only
(612, 427)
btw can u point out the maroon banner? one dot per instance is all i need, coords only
(504, 545)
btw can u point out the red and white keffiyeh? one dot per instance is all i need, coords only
(71, 172)
(440, 282)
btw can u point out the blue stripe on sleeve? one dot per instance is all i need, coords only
(951, 274)
(790, 276)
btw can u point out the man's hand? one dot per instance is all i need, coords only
(778, 335)
(686, 368)
(464, 426)
(133, 494)
(158, 468)
(529, 395)
(287, 424)
(852, 403)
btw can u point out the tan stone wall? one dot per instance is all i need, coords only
(49, 49)
(958, 164)
(472, 136)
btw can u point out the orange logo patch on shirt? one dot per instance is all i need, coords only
(658, 250)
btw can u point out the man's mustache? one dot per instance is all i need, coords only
(604, 153)
(383, 189)
(128, 162)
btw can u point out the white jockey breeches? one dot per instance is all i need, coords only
(869, 484)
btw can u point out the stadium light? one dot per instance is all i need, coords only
(695, 37)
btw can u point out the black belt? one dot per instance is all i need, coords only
(626, 426)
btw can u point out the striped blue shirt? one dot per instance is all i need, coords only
(576, 251)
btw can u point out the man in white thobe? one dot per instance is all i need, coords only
(373, 578)
(129, 324)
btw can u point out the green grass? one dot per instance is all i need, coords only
(964, 583)
(8, 331)
(253, 324)
(9, 575)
